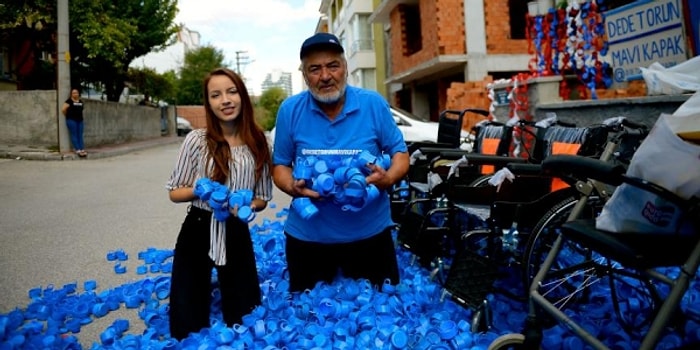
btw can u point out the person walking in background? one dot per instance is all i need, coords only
(73, 110)
(233, 151)
(332, 118)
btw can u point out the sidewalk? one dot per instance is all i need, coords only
(24, 152)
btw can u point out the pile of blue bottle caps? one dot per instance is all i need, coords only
(344, 314)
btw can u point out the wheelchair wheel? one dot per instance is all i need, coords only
(508, 341)
(545, 232)
(481, 181)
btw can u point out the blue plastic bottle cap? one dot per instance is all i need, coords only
(119, 269)
(324, 184)
(320, 167)
(399, 339)
(246, 214)
(219, 197)
(304, 207)
(366, 158)
(108, 336)
(355, 188)
(339, 175)
(372, 193)
(302, 172)
(573, 343)
(111, 256)
(235, 200)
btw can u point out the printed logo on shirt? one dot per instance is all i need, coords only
(330, 152)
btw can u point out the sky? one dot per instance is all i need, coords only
(270, 33)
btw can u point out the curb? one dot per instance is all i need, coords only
(18, 152)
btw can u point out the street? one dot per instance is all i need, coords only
(59, 219)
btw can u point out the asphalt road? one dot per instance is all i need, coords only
(59, 219)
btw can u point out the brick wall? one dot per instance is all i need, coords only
(498, 41)
(473, 94)
(442, 33)
(194, 114)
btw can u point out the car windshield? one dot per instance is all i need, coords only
(411, 116)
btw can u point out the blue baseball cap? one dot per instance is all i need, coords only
(318, 41)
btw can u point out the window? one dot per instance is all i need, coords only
(517, 9)
(411, 28)
(365, 78)
(362, 31)
(369, 80)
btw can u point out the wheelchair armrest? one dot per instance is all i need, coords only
(583, 168)
(612, 174)
(524, 168)
(435, 151)
(420, 145)
(484, 159)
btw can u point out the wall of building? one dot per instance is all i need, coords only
(30, 118)
(442, 33)
(194, 114)
(498, 38)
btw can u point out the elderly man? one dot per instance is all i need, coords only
(334, 121)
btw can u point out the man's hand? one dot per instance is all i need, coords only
(299, 189)
(379, 177)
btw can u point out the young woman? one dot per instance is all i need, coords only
(73, 110)
(233, 151)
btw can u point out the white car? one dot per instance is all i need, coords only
(413, 128)
(183, 126)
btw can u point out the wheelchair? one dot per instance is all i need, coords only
(520, 214)
(415, 184)
(643, 275)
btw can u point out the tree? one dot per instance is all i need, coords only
(27, 29)
(148, 82)
(270, 100)
(106, 36)
(198, 63)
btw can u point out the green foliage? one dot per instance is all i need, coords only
(271, 100)
(106, 36)
(264, 118)
(198, 63)
(148, 82)
(171, 79)
(30, 14)
(34, 21)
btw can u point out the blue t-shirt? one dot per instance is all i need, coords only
(364, 124)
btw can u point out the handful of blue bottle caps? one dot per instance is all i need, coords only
(340, 179)
(221, 200)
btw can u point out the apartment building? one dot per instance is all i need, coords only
(441, 54)
(350, 21)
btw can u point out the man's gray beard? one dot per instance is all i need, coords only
(329, 99)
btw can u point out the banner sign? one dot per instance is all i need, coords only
(642, 33)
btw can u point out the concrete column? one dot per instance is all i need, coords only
(475, 40)
(63, 77)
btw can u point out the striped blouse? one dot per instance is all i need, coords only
(192, 165)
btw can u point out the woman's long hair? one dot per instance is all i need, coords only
(249, 131)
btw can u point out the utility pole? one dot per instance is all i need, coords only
(63, 73)
(241, 59)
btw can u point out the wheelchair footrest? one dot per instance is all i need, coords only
(471, 278)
